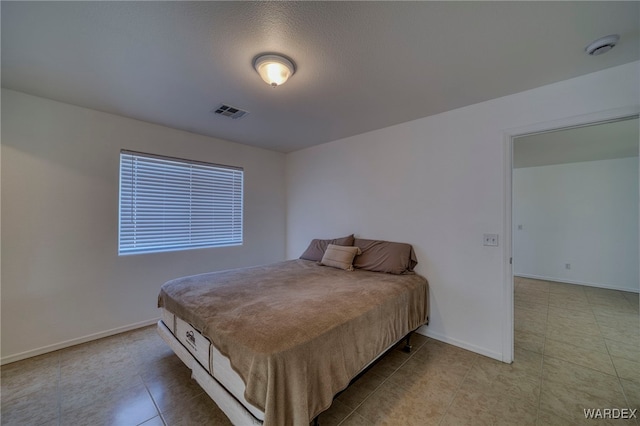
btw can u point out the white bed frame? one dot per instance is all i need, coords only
(223, 385)
(213, 371)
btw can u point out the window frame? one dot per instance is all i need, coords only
(198, 178)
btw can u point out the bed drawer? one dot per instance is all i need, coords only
(195, 343)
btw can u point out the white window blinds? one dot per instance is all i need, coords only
(170, 204)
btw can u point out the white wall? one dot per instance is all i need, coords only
(584, 214)
(439, 184)
(62, 280)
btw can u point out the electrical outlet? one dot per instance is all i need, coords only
(567, 266)
(490, 240)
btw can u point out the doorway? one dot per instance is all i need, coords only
(575, 295)
(511, 227)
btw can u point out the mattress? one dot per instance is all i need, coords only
(215, 376)
(206, 360)
(294, 333)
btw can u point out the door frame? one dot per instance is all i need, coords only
(509, 135)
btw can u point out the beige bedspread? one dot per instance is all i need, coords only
(297, 332)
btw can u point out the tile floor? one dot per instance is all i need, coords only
(576, 347)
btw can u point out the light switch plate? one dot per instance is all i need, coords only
(490, 240)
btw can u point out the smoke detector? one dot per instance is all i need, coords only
(602, 45)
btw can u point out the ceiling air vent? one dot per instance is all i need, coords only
(229, 111)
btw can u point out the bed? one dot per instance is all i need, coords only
(274, 344)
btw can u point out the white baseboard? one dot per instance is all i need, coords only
(67, 343)
(567, 281)
(424, 330)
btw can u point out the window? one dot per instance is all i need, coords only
(169, 204)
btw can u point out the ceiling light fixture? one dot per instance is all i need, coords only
(274, 69)
(602, 45)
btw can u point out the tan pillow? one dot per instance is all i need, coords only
(385, 256)
(317, 247)
(340, 256)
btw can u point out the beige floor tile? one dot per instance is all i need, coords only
(525, 280)
(537, 286)
(583, 316)
(147, 347)
(527, 361)
(527, 365)
(335, 414)
(201, 411)
(130, 407)
(536, 312)
(156, 421)
(437, 370)
(111, 364)
(569, 404)
(591, 339)
(610, 298)
(434, 363)
(568, 289)
(632, 392)
(619, 308)
(537, 298)
(632, 298)
(627, 369)
(524, 389)
(360, 390)
(568, 388)
(536, 326)
(110, 347)
(172, 391)
(168, 364)
(397, 405)
(576, 302)
(557, 371)
(461, 414)
(141, 334)
(524, 303)
(528, 340)
(510, 411)
(625, 350)
(569, 295)
(629, 335)
(616, 319)
(599, 361)
(602, 292)
(30, 375)
(356, 419)
(479, 404)
(85, 388)
(121, 379)
(472, 405)
(32, 409)
(390, 363)
(546, 418)
(575, 324)
(435, 351)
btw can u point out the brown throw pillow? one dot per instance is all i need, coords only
(385, 256)
(340, 257)
(316, 248)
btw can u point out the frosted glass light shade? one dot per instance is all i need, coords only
(274, 69)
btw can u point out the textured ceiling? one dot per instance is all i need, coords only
(361, 66)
